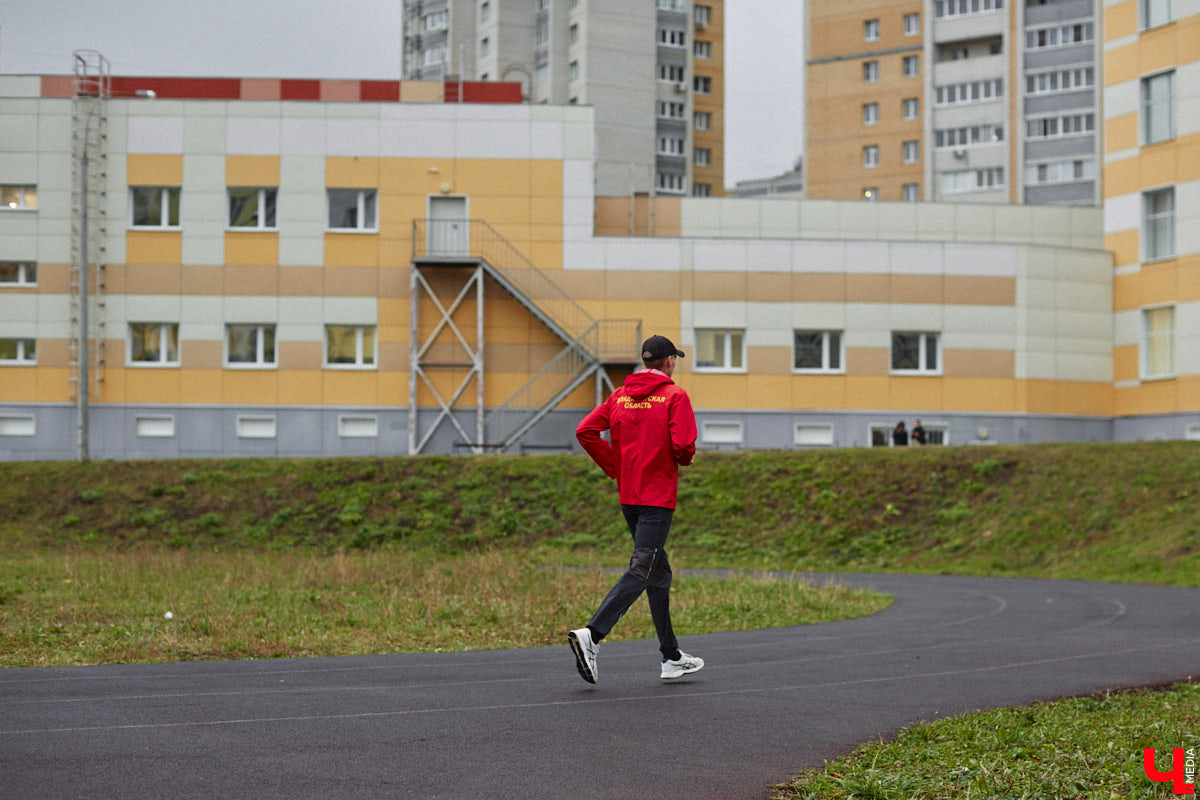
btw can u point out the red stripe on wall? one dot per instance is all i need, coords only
(381, 91)
(300, 90)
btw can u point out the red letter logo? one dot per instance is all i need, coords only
(1176, 775)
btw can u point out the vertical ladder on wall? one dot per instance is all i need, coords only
(89, 226)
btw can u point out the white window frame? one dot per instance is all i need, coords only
(361, 225)
(154, 426)
(358, 426)
(912, 104)
(833, 347)
(668, 109)
(870, 114)
(25, 272)
(672, 37)
(671, 182)
(910, 192)
(870, 194)
(256, 426)
(26, 352)
(910, 66)
(720, 432)
(265, 193)
(702, 156)
(362, 360)
(702, 120)
(671, 73)
(18, 425)
(1166, 217)
(870, 70)
(1147, 131)
(702, 16)
(701, 189)
(1147, 19)
(1155, 338)
(164, 337)
(485, 46)
(724, 348)
(870, 156)
(485, 11)
(573, 33)
(702, 84)
(701, 50)
(19, 197)
(260, 355)
(670, 146)
(929, 343)
(910, 151)
(871, 30)
(912, 24)
(813, 434)
(164, 209)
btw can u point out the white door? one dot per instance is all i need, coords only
(449, 233)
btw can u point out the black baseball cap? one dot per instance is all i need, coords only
(657, 347)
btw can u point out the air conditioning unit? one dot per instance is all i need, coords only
(960, 153)
(681, 88)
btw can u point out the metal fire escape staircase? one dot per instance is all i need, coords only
(92, 88)
(590, 346)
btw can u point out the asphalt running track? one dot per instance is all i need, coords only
(521, 723)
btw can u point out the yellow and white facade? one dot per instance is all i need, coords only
(260, 297)
(1152, 211)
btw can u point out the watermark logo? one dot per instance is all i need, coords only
(1183, 769)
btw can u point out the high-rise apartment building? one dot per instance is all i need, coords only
(953, 100)
(1152, 207)
(652, 69)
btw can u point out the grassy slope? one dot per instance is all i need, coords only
(1105, 511)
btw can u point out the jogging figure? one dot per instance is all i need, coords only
(653, 431)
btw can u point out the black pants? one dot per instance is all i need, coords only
(649, 571)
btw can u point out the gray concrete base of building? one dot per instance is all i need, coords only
(50, 432)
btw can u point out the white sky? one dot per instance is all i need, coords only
(360, 40)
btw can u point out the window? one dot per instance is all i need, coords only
(701, 189)
(256, 427)
(871, 193)
(955, 8)
(969, 135)
(1158, 224)
(970, 92)
(871, 30)
(806, 435)
(350, 345)
(670, 146)
(870, 71)
(817, 351)
(19, 273)
(574, 31)
(910, 192)
(154, 206)
(701, 156)
(18, 425)
(716, 432)
(667, 110)
(702, 120)
(352, 426)
(915, 352)
(669, 182)
(16, 197)
(702, 85)
(154, 343)
(574, 70)
(352, 209)
(484, 46)
(252, 208)
(1157, 117)
(18, 351)
(434, 56)
(670, 73)
(911, 66)
(911, 151)
(911, 107)
(669, 37)
(1059, 35)
(1152, 13)
(702, 50)
(972, 180)
(1065, 80)
(1158, 342)
(702, 16)
(435, 21)
(1061, 171)
(870, 155)
(870, 113)
(912, 24)
(720, 350)
(1069, 125)
(250, 345)
(485, 11)
(154, 426)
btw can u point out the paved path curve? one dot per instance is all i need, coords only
(521, 724)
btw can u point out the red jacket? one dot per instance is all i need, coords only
(653, 432)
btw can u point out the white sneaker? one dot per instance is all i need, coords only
(685, 665)
(585, 653)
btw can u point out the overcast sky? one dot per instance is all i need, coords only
(360, 40)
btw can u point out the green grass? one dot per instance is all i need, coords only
(317, 557)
